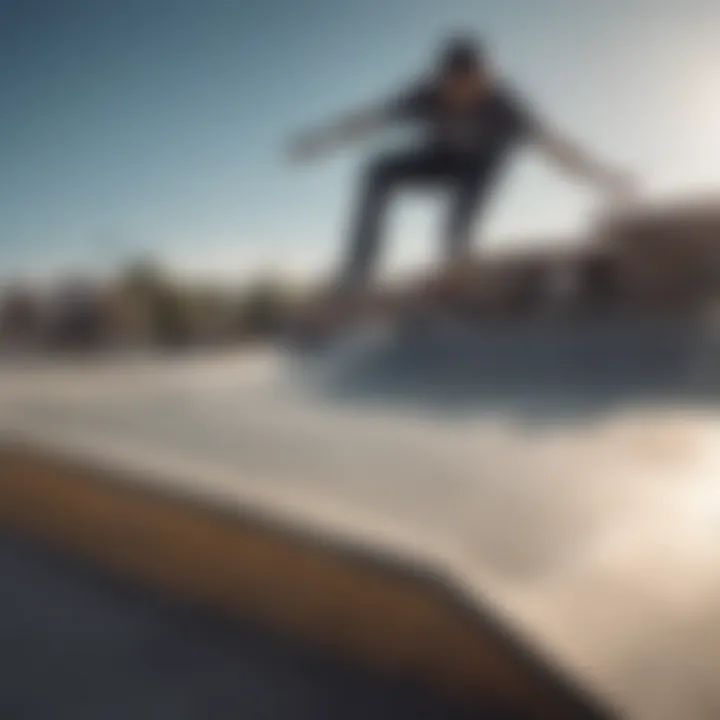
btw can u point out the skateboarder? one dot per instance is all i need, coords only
(472, 123)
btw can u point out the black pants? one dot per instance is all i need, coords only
(465, 177)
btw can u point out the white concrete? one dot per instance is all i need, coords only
(599, 540)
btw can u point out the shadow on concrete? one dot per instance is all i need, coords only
(529, 371)
(75, 645)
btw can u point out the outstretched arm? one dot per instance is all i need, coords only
(358, 125)
(564, 153)
(349, 128)
(572, 159)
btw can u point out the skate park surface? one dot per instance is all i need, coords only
(79, 646)
(581, 525)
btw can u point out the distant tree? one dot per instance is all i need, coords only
(143, 278)
(179, 314)
(264, 308)
(20, 316)
(165, 304)
(210, 312)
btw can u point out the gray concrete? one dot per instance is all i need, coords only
(595, 532)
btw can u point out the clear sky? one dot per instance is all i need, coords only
(129, 126)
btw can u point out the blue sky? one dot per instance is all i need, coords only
(130, 126)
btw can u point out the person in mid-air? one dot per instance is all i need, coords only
(472, 123)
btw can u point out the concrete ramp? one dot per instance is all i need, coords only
(568, 572)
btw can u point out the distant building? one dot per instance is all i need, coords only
(657, 259)
(21, 318)
(668, 255)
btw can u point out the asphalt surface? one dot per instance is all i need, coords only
(77, 645)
